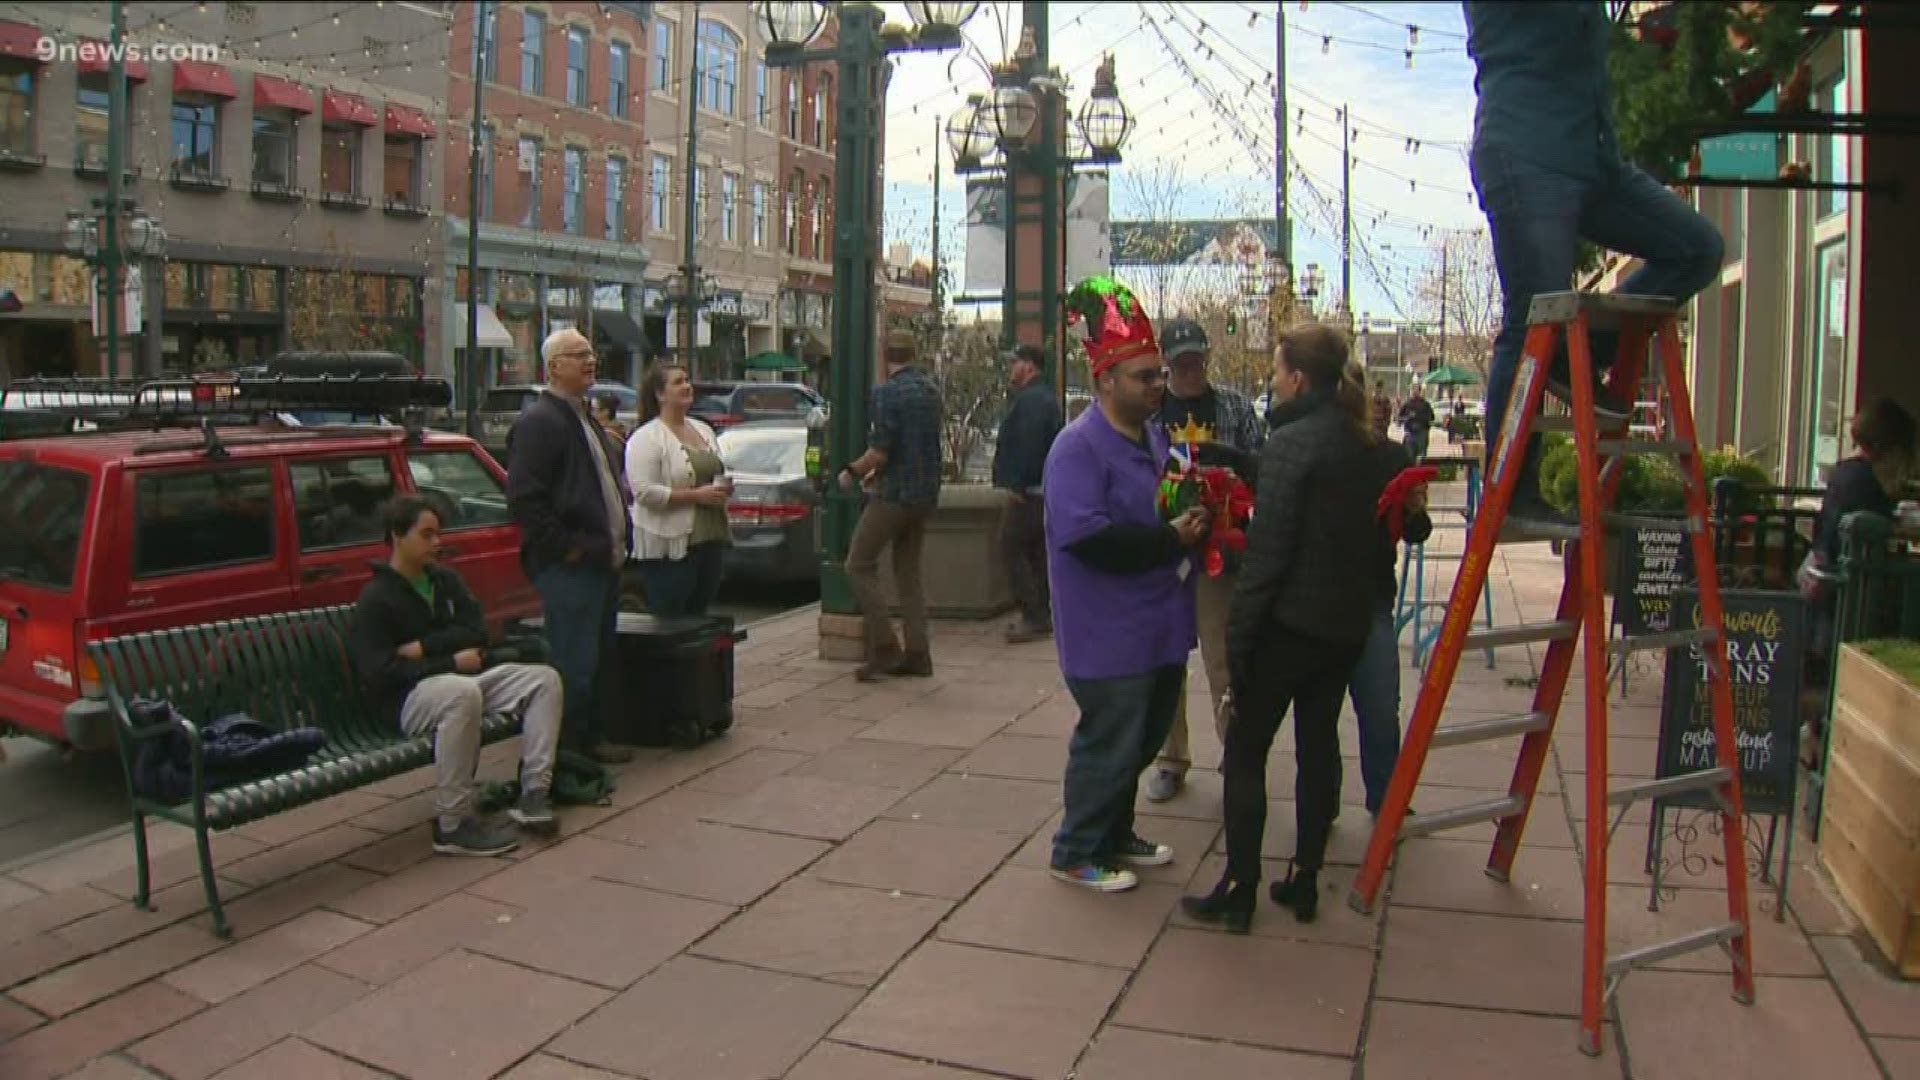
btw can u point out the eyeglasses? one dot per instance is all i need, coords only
(576, 354)
(1149, 377)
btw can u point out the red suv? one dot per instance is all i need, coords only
(122, 531)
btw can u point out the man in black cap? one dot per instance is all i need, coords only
(1220, 427)
(1020, 454)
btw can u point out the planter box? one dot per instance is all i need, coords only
(1870, 813)
(961, 570)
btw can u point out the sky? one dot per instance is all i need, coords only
(1197, 78)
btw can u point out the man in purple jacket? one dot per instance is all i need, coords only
(1123, 611)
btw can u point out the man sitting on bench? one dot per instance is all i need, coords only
(420, 644)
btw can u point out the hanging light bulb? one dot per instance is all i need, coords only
(1413, 34)
(1326, 44)
(1409, 59)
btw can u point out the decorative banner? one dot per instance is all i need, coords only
(1229, 242)
(1089, 240)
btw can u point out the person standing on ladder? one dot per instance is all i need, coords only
(1546, 165)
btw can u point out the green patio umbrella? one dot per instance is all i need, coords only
(1450, 375)
(773, 361)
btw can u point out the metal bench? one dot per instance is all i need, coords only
(289, 670)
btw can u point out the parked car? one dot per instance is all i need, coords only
(503, 405)
(774, 509)
(125, 530)
(724, 404)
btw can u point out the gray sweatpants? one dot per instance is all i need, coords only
(450, 707)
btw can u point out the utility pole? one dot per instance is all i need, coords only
(689, 264)
(939, 293)
(115, 295)
(1444, 283)
(1346, 213)
(1282, 224)
(470, 378)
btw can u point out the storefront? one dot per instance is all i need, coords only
(45, 313)
(344, 309)
(217, 316)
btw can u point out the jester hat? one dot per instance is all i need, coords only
(1116, 327)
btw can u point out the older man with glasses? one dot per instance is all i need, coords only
(570, 502)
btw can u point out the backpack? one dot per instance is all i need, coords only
(578, 780)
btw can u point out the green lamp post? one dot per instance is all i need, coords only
(861, 52)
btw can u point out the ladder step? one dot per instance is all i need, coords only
(1720, 934)
(1496, 728)
(1455, 816)
(1688, 525)
(1671, 639)
(1622, 447)
(1604, 310)
(1521, 634)
(1704, 780)
(1564, 424)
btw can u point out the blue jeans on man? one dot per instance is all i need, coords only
(1122, 723)
(1375, 693)
(581, 609)
(1538, 216)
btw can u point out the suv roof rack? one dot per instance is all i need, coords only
(57, 406)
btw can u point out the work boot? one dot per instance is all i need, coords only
(912, 665)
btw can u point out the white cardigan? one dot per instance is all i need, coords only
(657, 463)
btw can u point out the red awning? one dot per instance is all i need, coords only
(402, 120)
(195, 77)
(272, 93)
(336, 105)
(19, 41)
(93, 61)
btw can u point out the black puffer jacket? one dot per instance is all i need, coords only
(1313, 549)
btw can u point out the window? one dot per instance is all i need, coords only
(1830, 350)
(729, 207)
(16, 106)
(486, 172)
(617, 80)
(90, 123)
(793, 215)
(699, 225)
(194, 130)
(573, 181)
(821, 92)
(490, 41)
(663, 56)
(533, 71)
(719, 53)
(759, 213)
(340, 159)
(762, 105)
(41, 511)
(822, 205)
(402, 176)
(337, 503)
(793, 108)
(1832, 150)
(616, 198)
(202, 519)
(530, 168)
(659, 187)
(273, 148)
(576, 66)
(463, 492)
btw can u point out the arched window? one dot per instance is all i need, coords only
(719, 53)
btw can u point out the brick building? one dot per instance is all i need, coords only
(807, 118)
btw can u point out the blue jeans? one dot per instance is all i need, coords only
(1375, 692)
(1538, 216)
(1416, 442)
(581, 610)
(684, 586)
(1123, 721)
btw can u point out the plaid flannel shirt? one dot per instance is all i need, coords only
(906, 414)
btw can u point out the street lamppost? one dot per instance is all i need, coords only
(110, 239)
(861, 52)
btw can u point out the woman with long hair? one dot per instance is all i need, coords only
(680, 488)
(1301, 614)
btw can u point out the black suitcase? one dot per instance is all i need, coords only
(670, 682)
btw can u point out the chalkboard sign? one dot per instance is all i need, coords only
(1654, 564)
(1766, 644)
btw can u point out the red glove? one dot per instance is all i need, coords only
(1391, 509)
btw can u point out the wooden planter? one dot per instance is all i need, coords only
(1870, 814)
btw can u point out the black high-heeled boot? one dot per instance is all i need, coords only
(1299, 893)
(1230, 904)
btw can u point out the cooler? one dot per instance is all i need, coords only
(670, 680)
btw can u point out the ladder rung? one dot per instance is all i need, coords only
(1704, 780)
(1688, 525)
(1444, 556)
(1619, 447)
(1453, 817)
(1522, 634)
(1565, 424)
(1624, 962)
(1481, 730)
(1603, 309)
(1670, 639)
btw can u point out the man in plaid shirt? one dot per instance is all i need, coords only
(902, 467)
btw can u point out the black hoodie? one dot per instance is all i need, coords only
(391, 612)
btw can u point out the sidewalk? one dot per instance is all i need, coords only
(852, 886)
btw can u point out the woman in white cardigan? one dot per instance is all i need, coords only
(680, 491)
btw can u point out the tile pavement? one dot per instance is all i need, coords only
(852, 887)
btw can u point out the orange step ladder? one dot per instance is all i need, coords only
(1639, 320)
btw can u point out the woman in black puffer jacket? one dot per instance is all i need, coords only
(1301, 614)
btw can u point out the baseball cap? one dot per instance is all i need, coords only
(1182, 337)
(1030, 353)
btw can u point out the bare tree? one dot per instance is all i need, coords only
(1468, 293)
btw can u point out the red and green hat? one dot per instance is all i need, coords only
(1116, 327)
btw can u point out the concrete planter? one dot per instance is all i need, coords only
(1870, 812)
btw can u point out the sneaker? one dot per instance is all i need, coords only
(1138, 852)
(1164, 784)
(534, 813)
(609, 754)
(474, 837)
(1098, 878)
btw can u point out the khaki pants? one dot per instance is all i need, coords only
(450, 707)
(1212, 597)
(903, 528)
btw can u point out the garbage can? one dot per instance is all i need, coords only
(670, 682)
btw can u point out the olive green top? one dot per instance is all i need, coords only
(709, 522)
